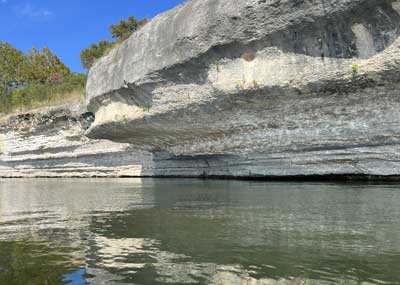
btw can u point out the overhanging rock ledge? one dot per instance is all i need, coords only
(255, 88)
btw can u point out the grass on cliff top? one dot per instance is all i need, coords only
(44, 95)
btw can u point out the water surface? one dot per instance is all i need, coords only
(167, 231)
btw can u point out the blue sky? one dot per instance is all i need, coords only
(67, 27)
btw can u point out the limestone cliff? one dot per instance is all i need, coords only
(51, 143)
(253, 88)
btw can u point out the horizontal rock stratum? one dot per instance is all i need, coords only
(254, 88)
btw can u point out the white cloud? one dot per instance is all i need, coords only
(27, 10)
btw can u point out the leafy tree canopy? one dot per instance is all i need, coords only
(119, 32)
(95, 51)
(124, 29)
(34, 67)
(35, 79)
(11, 63)
(44, 67)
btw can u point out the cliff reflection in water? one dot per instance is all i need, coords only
(195, 231)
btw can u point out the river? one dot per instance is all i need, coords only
(170, 231)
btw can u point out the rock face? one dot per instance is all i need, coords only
(254, 88)
(51, 143)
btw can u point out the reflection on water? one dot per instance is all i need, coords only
(198, 232)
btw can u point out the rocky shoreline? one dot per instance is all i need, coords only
(260, 90)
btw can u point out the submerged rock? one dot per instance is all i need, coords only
(255, 88)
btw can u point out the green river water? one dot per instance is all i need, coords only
(169, 231)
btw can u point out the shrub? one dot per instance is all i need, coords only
(37, 95)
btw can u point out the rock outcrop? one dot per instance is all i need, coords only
(254, 88)
(51, 143)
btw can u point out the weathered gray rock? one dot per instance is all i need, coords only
(259, 88)
(51, 143)
(249, 88)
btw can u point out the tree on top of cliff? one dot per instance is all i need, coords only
(119, 32)
(44, 67)
(124, 29)
(11, 62)
(37, 78)
(95, 51)
(34, 67)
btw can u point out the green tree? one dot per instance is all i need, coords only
(35, 79)
(119, 32)
(42, 67)
(11, 65)
(94, 52)
(124, 29)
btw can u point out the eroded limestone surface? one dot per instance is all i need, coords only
(51, 143)
(254, 88)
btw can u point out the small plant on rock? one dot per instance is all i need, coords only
(356, 68)
(240, 84)
(146, 107)
(256, 84)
